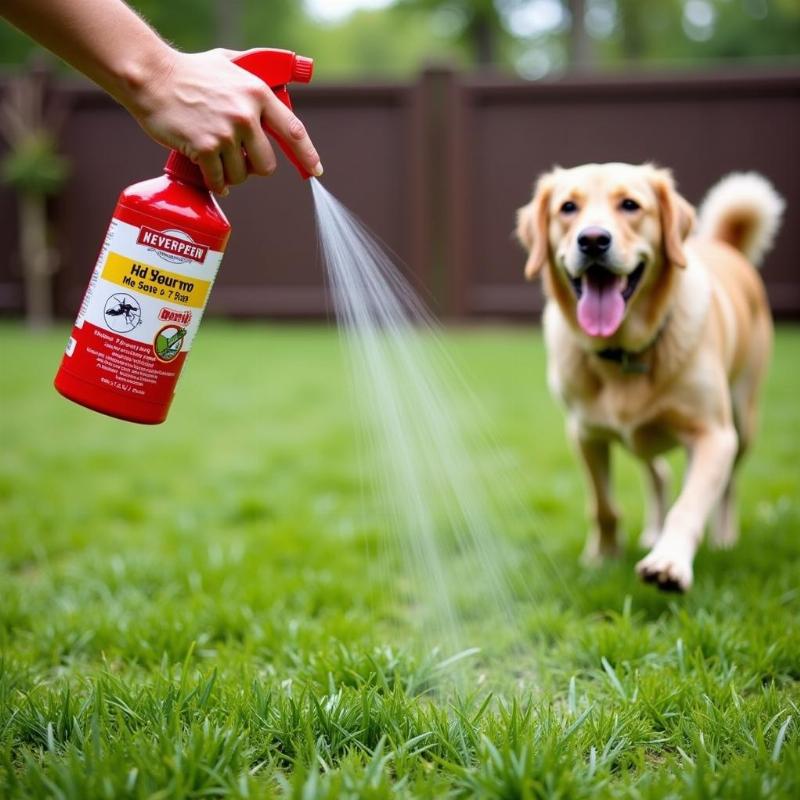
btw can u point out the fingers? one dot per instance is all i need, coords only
(233, 164)
(239, 146)
(284, 122)
(216, 114)
(260, 155)
(213, 173)
(230, 164)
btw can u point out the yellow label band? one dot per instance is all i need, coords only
(156, 282)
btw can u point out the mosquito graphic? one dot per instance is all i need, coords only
(131, 312)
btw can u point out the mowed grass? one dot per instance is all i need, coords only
(196, 609)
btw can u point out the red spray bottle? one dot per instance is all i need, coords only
(153, 277)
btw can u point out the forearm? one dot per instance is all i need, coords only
(104, 39)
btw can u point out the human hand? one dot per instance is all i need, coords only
(214, 112)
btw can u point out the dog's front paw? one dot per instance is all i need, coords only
(667, 568)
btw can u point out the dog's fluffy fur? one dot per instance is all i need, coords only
(656, 337)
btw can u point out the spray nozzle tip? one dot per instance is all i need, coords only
(303, 69)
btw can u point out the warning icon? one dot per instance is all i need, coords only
(168, 342)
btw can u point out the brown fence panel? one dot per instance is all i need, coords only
(272, 266)
(504, 135)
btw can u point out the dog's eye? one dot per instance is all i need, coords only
(629, 205)
(569, 207)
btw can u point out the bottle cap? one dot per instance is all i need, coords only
(181, 168)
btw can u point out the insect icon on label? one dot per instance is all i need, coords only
(122, 313)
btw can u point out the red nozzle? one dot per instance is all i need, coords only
(276, 68)
(303, 69)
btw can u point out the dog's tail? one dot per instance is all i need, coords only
(744, 210)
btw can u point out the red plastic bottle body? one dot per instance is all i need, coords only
(154, 274)
(145, 300)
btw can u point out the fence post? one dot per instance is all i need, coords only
(431, 185)
(458, 257)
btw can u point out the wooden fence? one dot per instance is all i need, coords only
(436, 168)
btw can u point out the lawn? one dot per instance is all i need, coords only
(195, 609)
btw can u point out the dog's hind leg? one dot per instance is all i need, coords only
(724, 528)
(724, 531)
(658, 477)
(724, 523)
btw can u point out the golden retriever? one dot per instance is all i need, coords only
(657, 337)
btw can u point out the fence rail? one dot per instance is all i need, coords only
(437, 168)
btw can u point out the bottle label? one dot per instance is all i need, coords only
(142, 309)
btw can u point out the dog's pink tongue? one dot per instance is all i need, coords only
(601, 307)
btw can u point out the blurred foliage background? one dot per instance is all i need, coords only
(532, 38)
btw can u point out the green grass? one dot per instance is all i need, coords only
(194, 610)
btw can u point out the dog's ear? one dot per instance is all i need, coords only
(677, 216)
(532, 227)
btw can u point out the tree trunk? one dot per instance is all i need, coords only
(632, 25)
(483, 42)
(37, 260)
(581, 47)
(230, 30)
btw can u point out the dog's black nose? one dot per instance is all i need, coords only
(594, 241)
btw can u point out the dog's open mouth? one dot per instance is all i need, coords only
(602, 296)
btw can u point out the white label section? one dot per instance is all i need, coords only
(87, 295)
(138, 291)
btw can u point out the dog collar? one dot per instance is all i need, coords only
(625, 358)
(629, 359)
